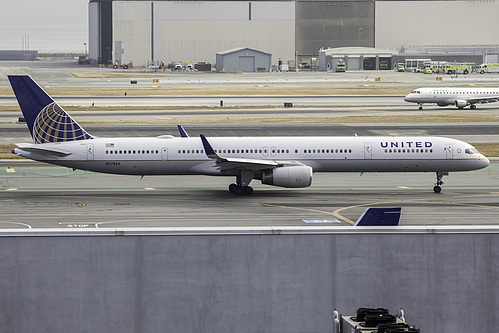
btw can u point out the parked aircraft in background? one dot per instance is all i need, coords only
(460, 97)
(278, 161)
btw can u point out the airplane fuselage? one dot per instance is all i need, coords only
(277, 161)
(460, 97)
(167, 155)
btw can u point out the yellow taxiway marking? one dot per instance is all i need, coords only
(11, 189)
(9, 170)
(150, 188)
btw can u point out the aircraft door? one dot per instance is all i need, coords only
(265, 151)
(90, 152)
(164, 154)
(448, 151)
(273, 151)
(367, 150)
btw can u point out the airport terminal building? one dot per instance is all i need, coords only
(147, 32)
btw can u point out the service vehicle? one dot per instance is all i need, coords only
(488, 68)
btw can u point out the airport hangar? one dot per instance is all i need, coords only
(147, 32)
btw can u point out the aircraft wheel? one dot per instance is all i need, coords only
(437, 189)
(420, 108)
(248, 190)
(472, 106)
(238, 190)
(232, 188)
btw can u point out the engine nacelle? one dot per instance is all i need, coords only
(288, 176)
(461, 104)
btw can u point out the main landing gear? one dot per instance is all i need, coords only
(420, 106)
(440, 175)
(242, 184)
(239, 189)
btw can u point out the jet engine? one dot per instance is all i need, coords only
(288, 176)
(461, 104)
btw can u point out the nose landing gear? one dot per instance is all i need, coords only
(440, 175)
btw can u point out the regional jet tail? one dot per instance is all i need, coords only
(278, 161)
(460, 97)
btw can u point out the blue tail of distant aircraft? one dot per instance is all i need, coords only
(47, 121)
(379, 216)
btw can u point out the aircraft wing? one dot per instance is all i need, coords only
(230, 163)
(40, 149)
(488, 99)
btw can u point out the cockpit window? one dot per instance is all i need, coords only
(415, 92)
(471, 151)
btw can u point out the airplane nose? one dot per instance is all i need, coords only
(484, 161)
(407, 98)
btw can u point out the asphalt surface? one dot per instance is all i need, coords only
(34, 195)
(469, 132)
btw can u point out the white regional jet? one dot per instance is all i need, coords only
(460, 97)
(279, 161)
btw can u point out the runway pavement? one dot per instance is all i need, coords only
(469, 132)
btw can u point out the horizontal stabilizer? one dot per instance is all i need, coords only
(379, 216)
(39, 149)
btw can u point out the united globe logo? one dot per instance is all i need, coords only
(53, 124)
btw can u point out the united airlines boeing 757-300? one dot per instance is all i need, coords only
(460, 97)
(278, 161)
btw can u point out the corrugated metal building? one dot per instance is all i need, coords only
(26, 55)
(146, 32)
(244, 59)
(153, 31)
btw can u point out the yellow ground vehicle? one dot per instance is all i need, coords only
(340, 66)
(458, 69)
(488, 68)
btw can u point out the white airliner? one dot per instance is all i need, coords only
(279, 161)
(460, 97)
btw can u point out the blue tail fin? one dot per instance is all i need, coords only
(47, 121)
(379, 216)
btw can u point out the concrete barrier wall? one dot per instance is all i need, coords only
(246, 283)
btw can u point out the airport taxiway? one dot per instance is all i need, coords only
(34, 195)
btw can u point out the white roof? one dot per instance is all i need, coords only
(343, 51)
(237, 49)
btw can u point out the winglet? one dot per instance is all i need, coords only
(210, 152)
(379, 216)
(183, 133)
